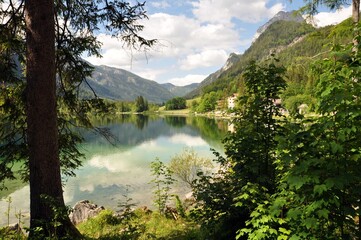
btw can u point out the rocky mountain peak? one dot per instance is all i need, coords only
(282, 15)
(232, 59)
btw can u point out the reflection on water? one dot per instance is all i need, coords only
(108, 169)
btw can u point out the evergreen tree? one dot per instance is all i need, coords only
(141, 104)
(33, 129)
(312, 5)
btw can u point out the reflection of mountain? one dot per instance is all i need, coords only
(108, 170)
(131, 130)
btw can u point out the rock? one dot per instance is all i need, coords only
(189, 201)
(14, 227)
(172, 212)
(84, 210)
(189, 195)
(146, 210)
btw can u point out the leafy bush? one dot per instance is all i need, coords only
(162, 184)
(187, 164)
(176, 103)
(293, 103)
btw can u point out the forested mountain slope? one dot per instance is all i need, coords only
(292, 42)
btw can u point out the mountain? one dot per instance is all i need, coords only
(119, 84)
(180, 91)
(280, 16)
(278, 34)
(297, 45)
(232, 59)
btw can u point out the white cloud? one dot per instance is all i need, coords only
(188, 79)
(114, 54)
(148, 73)
(204, 59)
(187, 43)
(222, 11)
(160, 4)
(180, 35)
(181, 39)
(188, 140)
(331, 18)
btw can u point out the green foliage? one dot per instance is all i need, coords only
(208, 102)
(194, 105)
(76, 25)
(57, 227)
(293, 104)
(161, 227)
(187, 164)
(278, 38)
(151, 225)
(162, 184)
(102, 225)
(141, 104)
(176, 103)
(126, 205)
(8, 234)
(297, 45)
(311, 6)
(318, 186)
(179, 206)
(123, 106)
(13, 147)
(247, 176)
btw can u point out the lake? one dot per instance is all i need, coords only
(111, 170)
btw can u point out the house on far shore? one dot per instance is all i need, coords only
(231, 100)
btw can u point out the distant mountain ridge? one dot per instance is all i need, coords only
(180, 91)
(119, 84)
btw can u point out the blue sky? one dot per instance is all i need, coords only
(197, 36)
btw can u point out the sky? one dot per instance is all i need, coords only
(195, 37)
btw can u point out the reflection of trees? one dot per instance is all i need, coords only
(175, 121)
(141, 120)
(210, 128)
(134, 129)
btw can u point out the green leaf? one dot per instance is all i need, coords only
(335, 147)
(319, 189)
(310, 223)
(294, 213)
(323, 213)
(285, 231)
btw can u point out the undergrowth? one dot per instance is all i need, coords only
(143, 225)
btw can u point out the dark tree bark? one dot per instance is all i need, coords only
(44, 164)
(356, 11)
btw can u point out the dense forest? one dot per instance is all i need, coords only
(297, 46)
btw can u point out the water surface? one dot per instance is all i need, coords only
(110, 169)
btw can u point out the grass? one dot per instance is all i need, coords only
(6, 234)
(142, 225)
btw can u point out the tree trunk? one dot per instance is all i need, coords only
(355, 11)
(44, 164)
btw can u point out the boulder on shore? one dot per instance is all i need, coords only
(84, 210)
